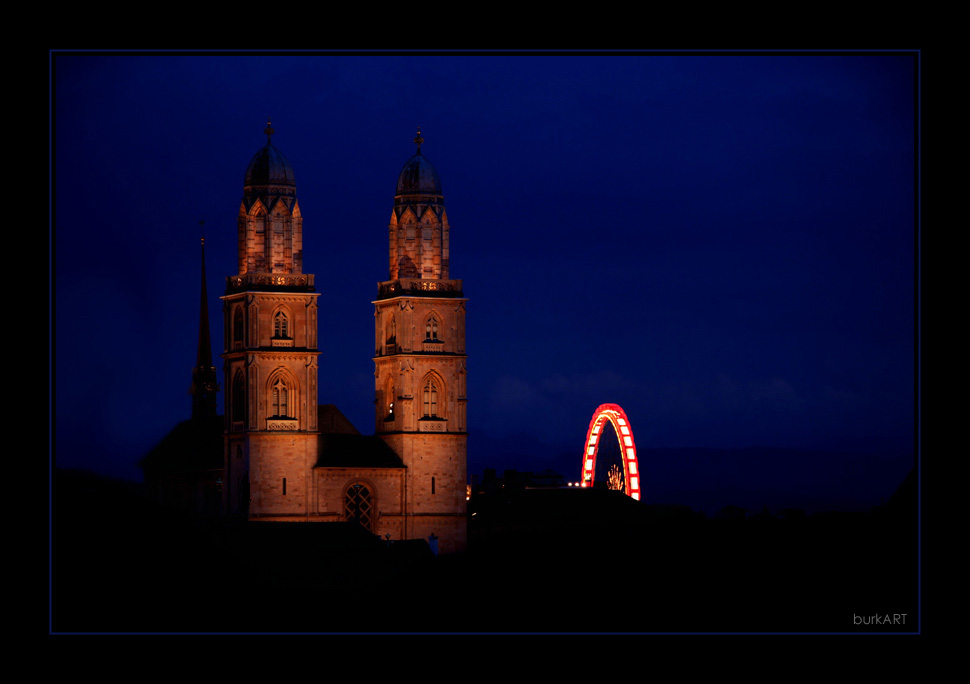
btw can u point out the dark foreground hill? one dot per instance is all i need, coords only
(538, 561)
(708, 479)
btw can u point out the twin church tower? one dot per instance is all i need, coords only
(289, 458)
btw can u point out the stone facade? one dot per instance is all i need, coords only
(289, 458)
(436, 489)
(420, 362)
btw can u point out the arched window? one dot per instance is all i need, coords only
(430, 397)
(431, 329)
(239, 397)
(281, 326)
(281, 397)
(392, 331)
(237, 327)
(357, 504)
(389, 400)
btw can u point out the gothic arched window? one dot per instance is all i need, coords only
(357, 504)
(237, 327)
(239, 397)
(280, 399)
(430, 397)
(431, 329)
(389, 400)
(281, 325)
(390, 345)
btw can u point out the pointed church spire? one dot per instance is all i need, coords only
(204, 384)
(204, 358)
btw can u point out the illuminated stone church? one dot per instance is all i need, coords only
(288, 457)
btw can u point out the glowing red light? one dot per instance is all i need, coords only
(621, 425)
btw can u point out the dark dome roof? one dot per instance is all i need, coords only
(269, 167)
(418, 177)
(269, 177)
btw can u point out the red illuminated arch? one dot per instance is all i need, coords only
(616, 416)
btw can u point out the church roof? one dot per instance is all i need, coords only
(269, 167)
(418, 177)
(342, 445)
(192, 445)
(269, 175)
(331, 421)
(356, 451)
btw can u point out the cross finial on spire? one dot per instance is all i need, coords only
(418, 140)
(269, 130)
(202, 231)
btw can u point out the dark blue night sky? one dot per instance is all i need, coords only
(723, 245)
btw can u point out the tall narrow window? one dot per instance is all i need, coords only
(239, 397)
(281, 325)
(431, 329)
(389, 400)
(280, 399)
(430, 398)
(237, 327)
(284, 486)
(432, 484)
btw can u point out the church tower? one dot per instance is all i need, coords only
(270, 357)
(420, 358)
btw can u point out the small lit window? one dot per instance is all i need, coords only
(281, 397)
(237, 327)
(281, 326)
(389, 400)
(430, 398)
(239, 397)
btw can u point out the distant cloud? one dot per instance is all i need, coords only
(554, 405)
(604, 382)
(723, 410)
